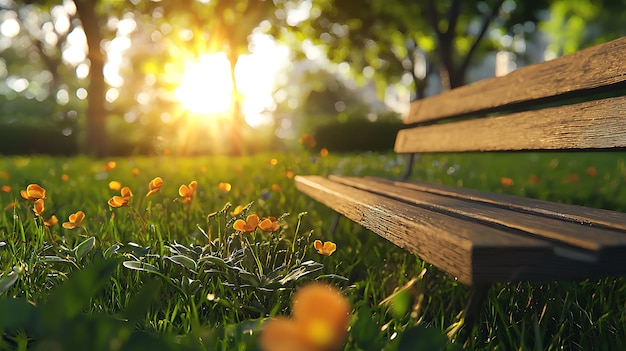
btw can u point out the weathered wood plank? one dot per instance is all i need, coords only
(441, 240)
(576, 214)
(591, 68)
(597, 124)
(593, 242)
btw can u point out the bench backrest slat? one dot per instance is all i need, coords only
(571, 75)
(599, 124)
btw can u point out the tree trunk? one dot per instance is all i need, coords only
(238, 121)
(96, 137)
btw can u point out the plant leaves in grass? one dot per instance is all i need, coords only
(56, 259)
(83, 248)
(74, 295)
(215, 260)
(138, 250)
(6, 281)
(332, 276)
(112, 250)
(183, 261)
(16, 314)
(140, 266)
(305, 268)
(421, 338)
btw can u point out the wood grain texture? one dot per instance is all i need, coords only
(575, 214)
(437, 238)
(471, 251)
(592, 242)
(599, 124)
(591, 68)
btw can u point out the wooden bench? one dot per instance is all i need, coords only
(576, 102)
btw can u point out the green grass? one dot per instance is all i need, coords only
(176, 275)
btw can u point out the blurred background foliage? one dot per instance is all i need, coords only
(99, 76)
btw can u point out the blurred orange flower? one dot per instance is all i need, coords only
(186, 191)
(289, 174)
(236, 211)
(224, 187)
(269, 224)
(247, 226)
(591, 171)
(155, 185)
(38, 207)
(135, 171)
(276, 187)
(75, 220)
(123, 200)
(51, 221)
(320, 315)
(506, 181)
(109, 166)
(534, 178)
(65, 177)
(115, 185)
(6, 189)
(33, 192)
(308, 140)
(323, 152)
(325, 249)
(273, 162)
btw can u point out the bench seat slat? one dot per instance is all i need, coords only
(601, 65)
(596, 124)
(471, 251)
(596, 240)
(573, 213)
(441, 241)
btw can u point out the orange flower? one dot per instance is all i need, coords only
(33, 192)
(135, 171)
(273, 162)
(224, 187)
(269, 224)
(38, 207)
(276, 187)
(236, 211)
(75, 220)
(6, 189)
(591, 171)
(289, 174)
(51, 221)
(186, 191)
(115, 185)
(119, 201)
(506, 181)
(155, 185)
(534, 178)
(325, 249)
(320, 315)
(109, 166)
(65, 177)
(308, 140)
(247, 226)
(323, 152)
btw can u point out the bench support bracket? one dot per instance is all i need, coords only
(473, 308)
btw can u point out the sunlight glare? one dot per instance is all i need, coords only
(206, 85)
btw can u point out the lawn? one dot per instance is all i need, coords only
(172, 272)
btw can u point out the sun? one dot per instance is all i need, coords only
(206, 86)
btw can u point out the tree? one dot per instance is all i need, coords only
(386, 39)
(221, 26)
